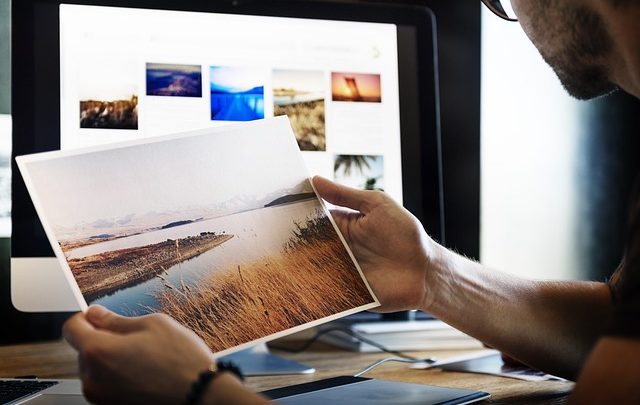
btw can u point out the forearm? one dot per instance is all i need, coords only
(226, 389)
(548, 325)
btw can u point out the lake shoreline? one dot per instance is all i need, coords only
(105, 273)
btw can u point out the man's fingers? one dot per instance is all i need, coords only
(343, 196)
(78, 331)
(102, 318)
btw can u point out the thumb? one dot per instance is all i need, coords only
(343, 196)
(102, 318)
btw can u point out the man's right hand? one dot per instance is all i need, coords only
(390, 244)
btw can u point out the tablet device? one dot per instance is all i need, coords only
(364, 391)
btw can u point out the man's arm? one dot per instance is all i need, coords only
(548, 325)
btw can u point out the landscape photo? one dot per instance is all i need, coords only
(237, 93)
(299, 94)
(174, 80)
(204, 228)
(356, 87)
(108, 94)
(365, 172)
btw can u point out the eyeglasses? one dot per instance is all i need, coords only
(502, 9)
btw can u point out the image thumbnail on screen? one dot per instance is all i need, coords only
(237, 93)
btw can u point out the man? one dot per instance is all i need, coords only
(584, 331)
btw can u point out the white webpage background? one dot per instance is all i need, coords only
(97, 43)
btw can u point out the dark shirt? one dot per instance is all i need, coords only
(625, 282)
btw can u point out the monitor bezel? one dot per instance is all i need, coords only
(36, 94)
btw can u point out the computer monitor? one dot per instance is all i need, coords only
(358, 81)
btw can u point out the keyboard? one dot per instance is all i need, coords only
(11, 390)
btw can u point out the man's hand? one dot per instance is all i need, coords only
(390, 244)
(150, 359)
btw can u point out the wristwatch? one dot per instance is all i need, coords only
(204, 378)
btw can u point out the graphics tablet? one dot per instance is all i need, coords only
(360, 390)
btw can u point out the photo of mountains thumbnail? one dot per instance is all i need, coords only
(237, 93)
(174, 80)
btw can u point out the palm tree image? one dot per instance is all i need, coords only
(372, 184)
(365, 172)
(347, 163)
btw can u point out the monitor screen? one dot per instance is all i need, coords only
(357, 80)
(167, 71)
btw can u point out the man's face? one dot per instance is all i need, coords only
(573, 40)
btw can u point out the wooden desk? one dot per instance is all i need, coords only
(58, 360)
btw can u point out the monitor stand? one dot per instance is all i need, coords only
(39, 285)
(258, 361)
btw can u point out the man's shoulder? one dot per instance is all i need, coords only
(610, 374)
(625, 282)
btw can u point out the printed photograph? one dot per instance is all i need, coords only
(359, 87)
(365, 172)
(299, 94)
(174, 80)
(204, 228)
(237, 93)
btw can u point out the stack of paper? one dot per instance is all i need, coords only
(400, 336)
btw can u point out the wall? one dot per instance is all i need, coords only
(5, 58)
(556, 172)
(530, 134)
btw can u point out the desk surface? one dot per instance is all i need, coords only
(58, 360)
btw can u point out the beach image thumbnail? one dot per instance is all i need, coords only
(174, 80)
(204, 228)
(237, 93)
(365, 172)
(299, 94)
(108, 94)
(359, 87)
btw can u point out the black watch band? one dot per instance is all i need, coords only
(204, 379)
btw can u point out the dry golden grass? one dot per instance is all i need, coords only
(307, 120)
(312, 278)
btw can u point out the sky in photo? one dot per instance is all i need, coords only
(107, 80)
(300, 80)
(236, 79)
(181, 174)
(173, 67)
(357, 178)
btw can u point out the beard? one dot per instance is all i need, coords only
(581, 47)
(583, 81)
